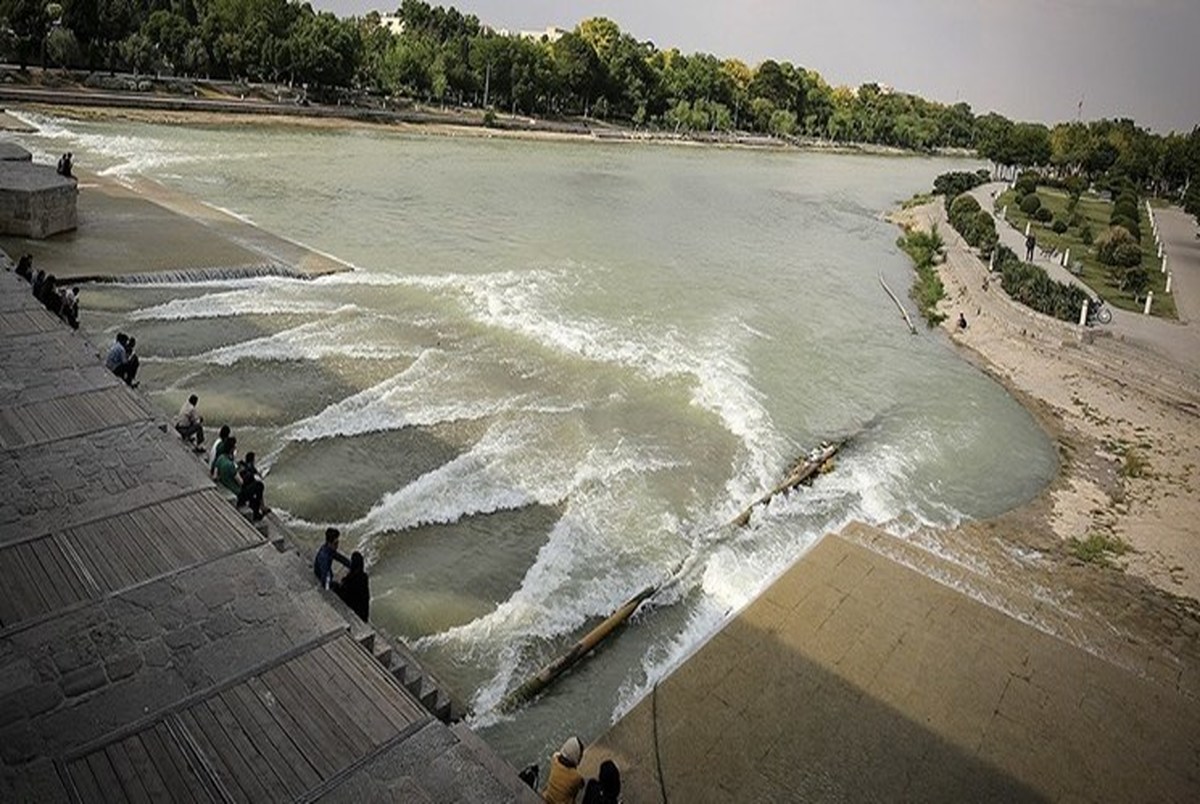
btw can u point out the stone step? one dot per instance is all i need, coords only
(501, 770)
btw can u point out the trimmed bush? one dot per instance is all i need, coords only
(1128, 224)
(1108, 243)
(1033, 287)
(1027, 183)
(955, 183)
(1031, 203)
(1044, 214)
(1124, 209)
(1085, 234)
(1060, 226)
(1127, 255)
(1076, 220)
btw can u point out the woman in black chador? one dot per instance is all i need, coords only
(355, 588)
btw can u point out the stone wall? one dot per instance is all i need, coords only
(35, 201)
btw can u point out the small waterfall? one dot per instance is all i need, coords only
(192, 275)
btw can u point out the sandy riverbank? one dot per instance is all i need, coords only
(1129, 447)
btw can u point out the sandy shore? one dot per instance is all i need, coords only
(1127, 431)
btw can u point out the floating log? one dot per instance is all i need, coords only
(802, 472)
(903, 312)
(817, 461)
(584, 646)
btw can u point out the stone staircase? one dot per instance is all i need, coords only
(396, 658)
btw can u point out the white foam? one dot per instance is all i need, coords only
(435, 389)
(261, 298)
(312, 341)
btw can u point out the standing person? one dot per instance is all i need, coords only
(355, 588)
(323, 563)
(190, 424)
(962, 321)
(607, 788)
(564, 780)
(252, 488)
(1030, 242)
(116, 353)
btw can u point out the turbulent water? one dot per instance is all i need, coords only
(555, 372)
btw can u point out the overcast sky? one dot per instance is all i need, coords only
(1026, 59)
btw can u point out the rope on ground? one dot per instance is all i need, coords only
(662, 785)
(903, 312)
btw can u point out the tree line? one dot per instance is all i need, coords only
(597, 70)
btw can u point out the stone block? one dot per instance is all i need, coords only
(83, 680)
(35, 201)
(40, 698)
(123, 666)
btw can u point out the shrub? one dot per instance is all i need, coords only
(1128, 224)
(927, 291)
(1044, 214)
(1033, 287)
(983, 233)
(955, 183)
(1030, 203)
(1026, 183)
(1085, 234)
(1124, 209)
(1134, 279)
(1127, 255)
(1060, 226)
(1108, 243)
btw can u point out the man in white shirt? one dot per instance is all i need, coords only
(189, 424)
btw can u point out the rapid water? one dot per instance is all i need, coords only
(557, 369)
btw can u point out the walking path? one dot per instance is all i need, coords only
(856, 678)
(156, 646)
(1175, 341)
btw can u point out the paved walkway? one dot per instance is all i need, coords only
(1177, 341)
(155, 646)
(855, 678)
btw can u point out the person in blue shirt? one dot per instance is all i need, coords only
(323, 563)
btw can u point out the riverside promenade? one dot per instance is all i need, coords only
(858, 677)
(156, 646)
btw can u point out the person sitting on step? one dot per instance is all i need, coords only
(190, 424)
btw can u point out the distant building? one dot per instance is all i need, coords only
(393, 23)
(552, 34)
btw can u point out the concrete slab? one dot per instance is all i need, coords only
(176, 238)
(854, 678)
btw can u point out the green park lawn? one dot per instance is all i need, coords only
(1097, 275)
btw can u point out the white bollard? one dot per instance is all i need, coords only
(1149, 299)
(1168, 283)
(1067, 258)
(1004, 213)
(1027, 225)
(1083, 314)
(992, 262)
(1160, 251)
(1164, 264)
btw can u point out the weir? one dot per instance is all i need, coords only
(155, 645)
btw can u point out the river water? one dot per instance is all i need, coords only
(556, 371)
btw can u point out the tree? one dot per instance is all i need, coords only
(29, 22)
(62, 48)
(578, 69)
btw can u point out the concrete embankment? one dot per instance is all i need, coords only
(156, 646)
(857, 677)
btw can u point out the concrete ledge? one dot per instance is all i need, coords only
(35, 201)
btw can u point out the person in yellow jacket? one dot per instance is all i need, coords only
(565, 781)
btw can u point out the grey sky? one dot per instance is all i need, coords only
(1026, 59)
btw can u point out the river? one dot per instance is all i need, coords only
(555, 371)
